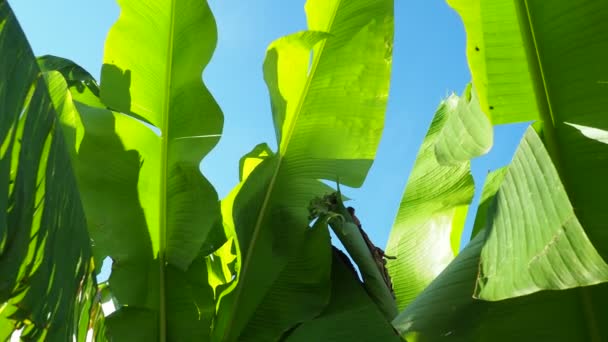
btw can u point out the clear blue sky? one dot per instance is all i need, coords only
(428, 63)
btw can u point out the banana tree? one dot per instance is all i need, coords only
(181, 270)
(252, 267)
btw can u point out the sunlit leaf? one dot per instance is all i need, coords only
(490, 187)
(328, 112)
(447, 311)
(350, 315)
(497, 56)
(532, 70)
(165, 216)
(47, 288)
(427, 230)
(534, 240)
(548, 63)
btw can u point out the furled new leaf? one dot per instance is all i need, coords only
(369, 261)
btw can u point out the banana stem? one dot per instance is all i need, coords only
(373, 280)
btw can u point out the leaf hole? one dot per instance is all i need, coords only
(106, 270)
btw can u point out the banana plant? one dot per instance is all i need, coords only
(135, 142)
(47, 288)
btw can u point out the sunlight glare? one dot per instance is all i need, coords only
(16, 335)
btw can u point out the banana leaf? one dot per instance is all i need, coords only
(565, 315)
(427, 231)
(328, 113)
(47, 286)
(545, 63)
(137, 142)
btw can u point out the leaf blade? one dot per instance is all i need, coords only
(426, 233)
(277, 192)
(47, 286)
(535, 242)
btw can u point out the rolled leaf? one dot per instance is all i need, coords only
(467, 132)
(371, 265)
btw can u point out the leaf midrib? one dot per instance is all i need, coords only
(282, 151)
(547, 116)
(162, 229)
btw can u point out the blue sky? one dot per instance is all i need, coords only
(429, 62)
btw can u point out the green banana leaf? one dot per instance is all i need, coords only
(155, 75)
(350, 315)
(428, 227)
(544, 228)
(445, 311)
(83, 86)
(534, 240)
(490, 187)
(499, 62)
(137, 152)
(107, 174)
(566, 315)
(305, 273)
(328, 115)
(47, 284)
(230, 262)
(547, 63)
